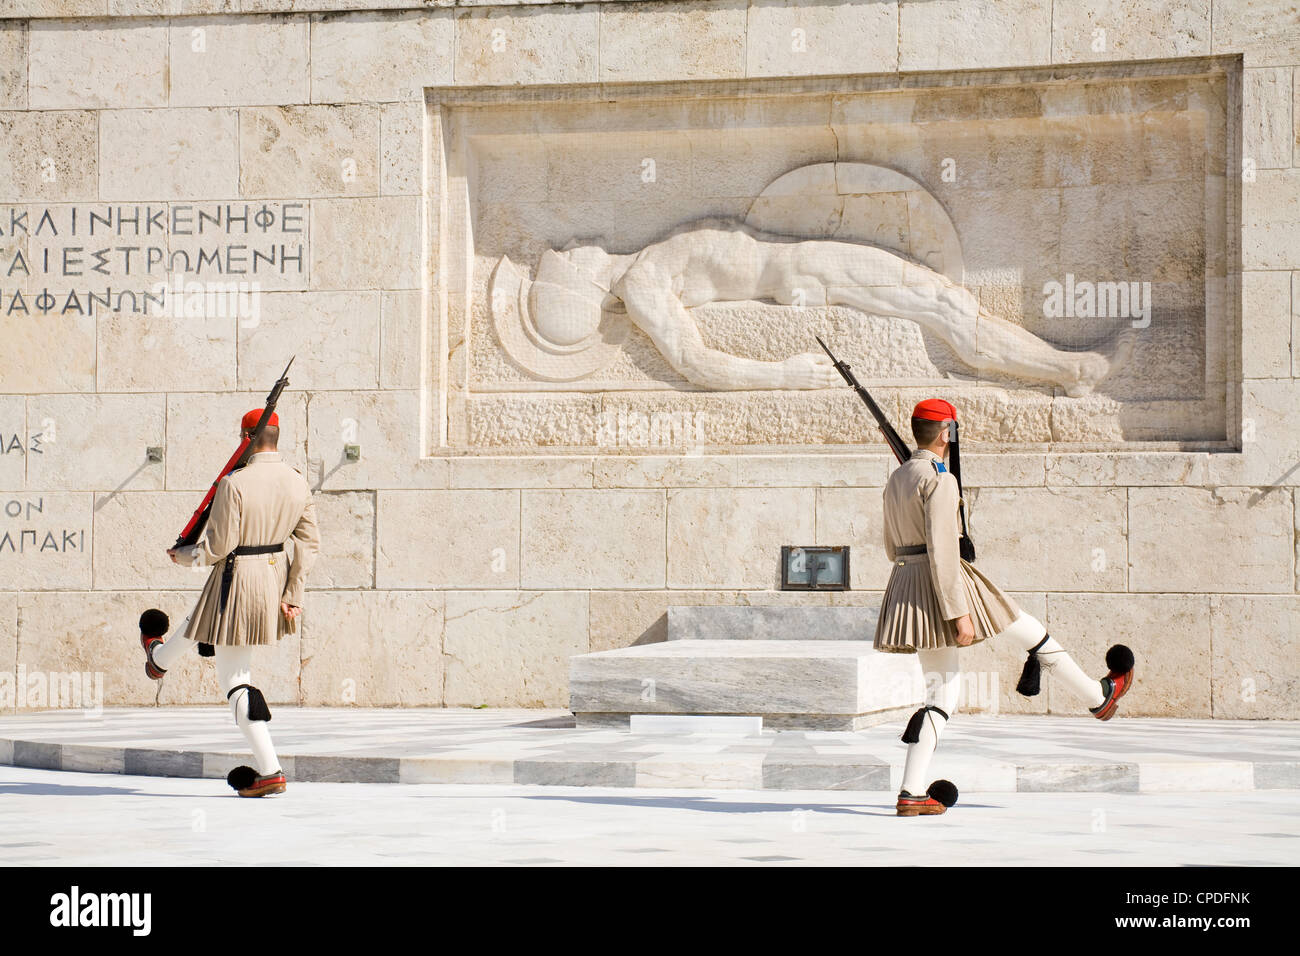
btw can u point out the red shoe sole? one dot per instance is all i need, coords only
(920, 809)
(265, 789)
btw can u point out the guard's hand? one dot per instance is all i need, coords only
(965, 631)
(290, 611)
(171, 553)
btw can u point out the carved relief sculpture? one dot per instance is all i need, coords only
(566, 324)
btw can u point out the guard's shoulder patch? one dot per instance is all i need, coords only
(939, 466)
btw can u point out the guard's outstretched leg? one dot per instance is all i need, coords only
(248, 705)
(943, 685)
(159, 655)
(1100, 696)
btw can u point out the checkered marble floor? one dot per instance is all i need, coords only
(81, 819)
(435, 746)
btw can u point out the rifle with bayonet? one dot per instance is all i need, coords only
(896, 444)
(199, 519)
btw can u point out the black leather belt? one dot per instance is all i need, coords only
(911, 549)
(228, 571)
(257, 549)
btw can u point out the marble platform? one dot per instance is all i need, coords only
(778, 623)
(796, 684)
(995, 754)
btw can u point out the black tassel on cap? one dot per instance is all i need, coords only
(1030, 678)
(945, 791)
(965, 546)
(241, 778)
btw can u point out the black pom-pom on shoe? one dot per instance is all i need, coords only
(1119, 659)
(945, 791)
(154, 623)
(241, 778)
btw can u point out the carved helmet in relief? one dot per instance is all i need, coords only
(569, 295)
(565, 324)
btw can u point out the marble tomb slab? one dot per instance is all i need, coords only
(802, 685)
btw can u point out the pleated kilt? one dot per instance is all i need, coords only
(252, 613)
(910, 617)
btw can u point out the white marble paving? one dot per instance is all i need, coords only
(476, 746)
(91, 819)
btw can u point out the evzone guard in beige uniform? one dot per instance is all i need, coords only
(253, 596)
(936, 602)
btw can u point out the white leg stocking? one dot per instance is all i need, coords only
(234, 667)
(1026, 632)
(942, 673)
(167, 654)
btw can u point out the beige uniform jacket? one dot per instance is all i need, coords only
(265, 502)
(926, 593)
(921, 508)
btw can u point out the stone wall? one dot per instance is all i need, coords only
(309, 144)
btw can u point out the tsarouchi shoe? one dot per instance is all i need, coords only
(153, 625)
(151, 670)
(1116, 683)
(249, 783)
(938, 797)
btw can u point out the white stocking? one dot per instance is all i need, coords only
(234, 667)
(942, 672)
(1026, 631)
(167, 654)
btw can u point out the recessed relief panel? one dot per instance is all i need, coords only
(631, 269)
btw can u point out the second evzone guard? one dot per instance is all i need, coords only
(253, 596)
(936, 602)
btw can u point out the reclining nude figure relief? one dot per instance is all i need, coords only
(703, 264)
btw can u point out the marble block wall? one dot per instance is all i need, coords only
(299, 145)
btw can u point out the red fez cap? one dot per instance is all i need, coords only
(249, 421)
(935, 410)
